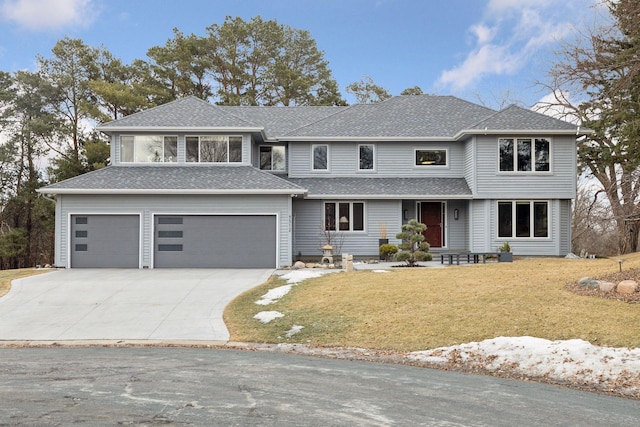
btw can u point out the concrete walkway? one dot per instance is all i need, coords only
(119, 304)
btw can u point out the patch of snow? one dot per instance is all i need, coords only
(274, 295)
(294, 330)
(574, 360)
(268, 316)
(296, 276)
(381, 271)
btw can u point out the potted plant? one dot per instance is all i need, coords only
(505, 253)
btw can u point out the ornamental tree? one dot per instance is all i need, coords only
(413, 247)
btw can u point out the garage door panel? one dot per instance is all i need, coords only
(216, 241)
(99, 241)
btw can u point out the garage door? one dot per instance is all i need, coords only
(215, 241)
(105, 241)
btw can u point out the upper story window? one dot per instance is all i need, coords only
(431, 157)
(272, 158)
(524, 155)
(320, 157)
(366, 159)
(148, 148)
(344, 216)
(214, 149)
(523, 218)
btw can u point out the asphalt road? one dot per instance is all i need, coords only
(188, 386)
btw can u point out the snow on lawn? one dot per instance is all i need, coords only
(296, 276)
(572, 360)
(274, 295)
(268, 316)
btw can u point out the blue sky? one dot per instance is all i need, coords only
(480, 50)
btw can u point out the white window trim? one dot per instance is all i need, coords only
(328, 169)
(533, 161)
(531, 220)
(415, 151)
(272, 169)
(163, 136)
(215, 163)
(373, 148)
(351, 202)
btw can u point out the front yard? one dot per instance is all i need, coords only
(422, 308)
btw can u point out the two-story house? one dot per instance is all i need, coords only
(197, 185)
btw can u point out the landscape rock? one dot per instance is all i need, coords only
(310, 265)
(589, 283)
(571, 255)
(299, 264)
(607, 286)
(627, 287)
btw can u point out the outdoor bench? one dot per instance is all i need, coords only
(474, 257)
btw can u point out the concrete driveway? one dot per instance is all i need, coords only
(119, 304)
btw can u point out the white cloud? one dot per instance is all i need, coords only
(47, 14)
(510, 36)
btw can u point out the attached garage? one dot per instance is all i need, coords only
(215, 241)
(105, 241)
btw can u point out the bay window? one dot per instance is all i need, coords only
(523, 219)
(148, 148)
(524, 155)
(344, 216)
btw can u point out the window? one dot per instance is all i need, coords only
(170, 233)
(523, 219)
(524, 154)
(431, 157)
(148, 148)
(320, 157)
(365, 157)
(214, 149)
(272, 158)
(344, 216)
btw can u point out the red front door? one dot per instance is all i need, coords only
(431, 216)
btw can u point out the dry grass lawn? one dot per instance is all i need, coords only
(6, 276)
(415, 309)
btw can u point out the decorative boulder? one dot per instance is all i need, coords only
(298, 265)
(589, 283)
(607, 286)
(627, 287)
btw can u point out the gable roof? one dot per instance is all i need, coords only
(164, 179)
(401, 117)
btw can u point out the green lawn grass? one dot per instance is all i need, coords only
(421, 308)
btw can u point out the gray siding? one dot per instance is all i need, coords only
(565, 227)
(469, 167)
(560, 183)
(457, 230)
(308, 227)
(149, 205)
(392, 159)
(484, 231)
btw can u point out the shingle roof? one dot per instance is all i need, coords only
(400, 116)
(185, 112)
(384, 187)
(424, 116)
(175, 179)
(514, 117)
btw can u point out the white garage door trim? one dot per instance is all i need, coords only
(88, 213)
(155, 214)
